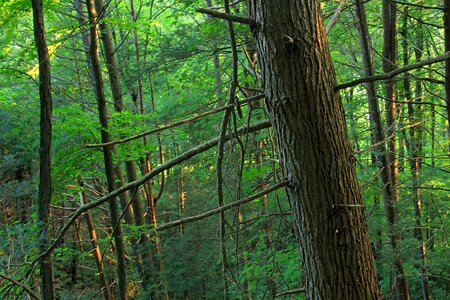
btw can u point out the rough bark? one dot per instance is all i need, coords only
(398, 279)
(45, 179)
(107, 153)
(315, 153)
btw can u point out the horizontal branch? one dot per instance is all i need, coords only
(222, 208)
(168, 126)
(376, 144)
(433, 188)
(290, 292)
(394, 72)
(134, 184)
(225, 16)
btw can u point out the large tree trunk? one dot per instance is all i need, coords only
(45, 178)
(315, 153)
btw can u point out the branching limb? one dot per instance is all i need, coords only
(394, 72)
(22, 286)
(180, 158)
(168, 126)
(221, 208)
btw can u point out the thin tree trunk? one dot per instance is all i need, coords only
(447, 62)
(378, 136)
(143, 252)
(399, 284)
(107, 153)
(314, 150)
(96, 250)
(124, 197)
(217, 71)
(146, 162)
(415, 147)
(45, 178)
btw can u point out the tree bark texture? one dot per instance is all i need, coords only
(107, 153)
(315, 153)
(45, 179)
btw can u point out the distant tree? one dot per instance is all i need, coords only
(45, 177)
(122, 292)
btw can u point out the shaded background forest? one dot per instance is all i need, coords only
(175, 63)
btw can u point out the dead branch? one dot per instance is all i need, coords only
(290, 292)
(134, 184)
(335, 16)
(221, 208)
(168, 126)
(22, 286)
(228, 17)
(394, 72)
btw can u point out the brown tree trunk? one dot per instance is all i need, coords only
(96, 250)
(398, 279)
(45, 179)
(315, 153)
(414, 146)
(107, 153)
(378, 137)
(143, 252)
(217, 71)
(447, 62)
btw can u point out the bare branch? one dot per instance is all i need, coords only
(168, 126)
(375, 145)
(290, 292)
(180, 158)
(228, 17)
(335, 16)
(22, 286)
(394, 72)
(221, 208)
